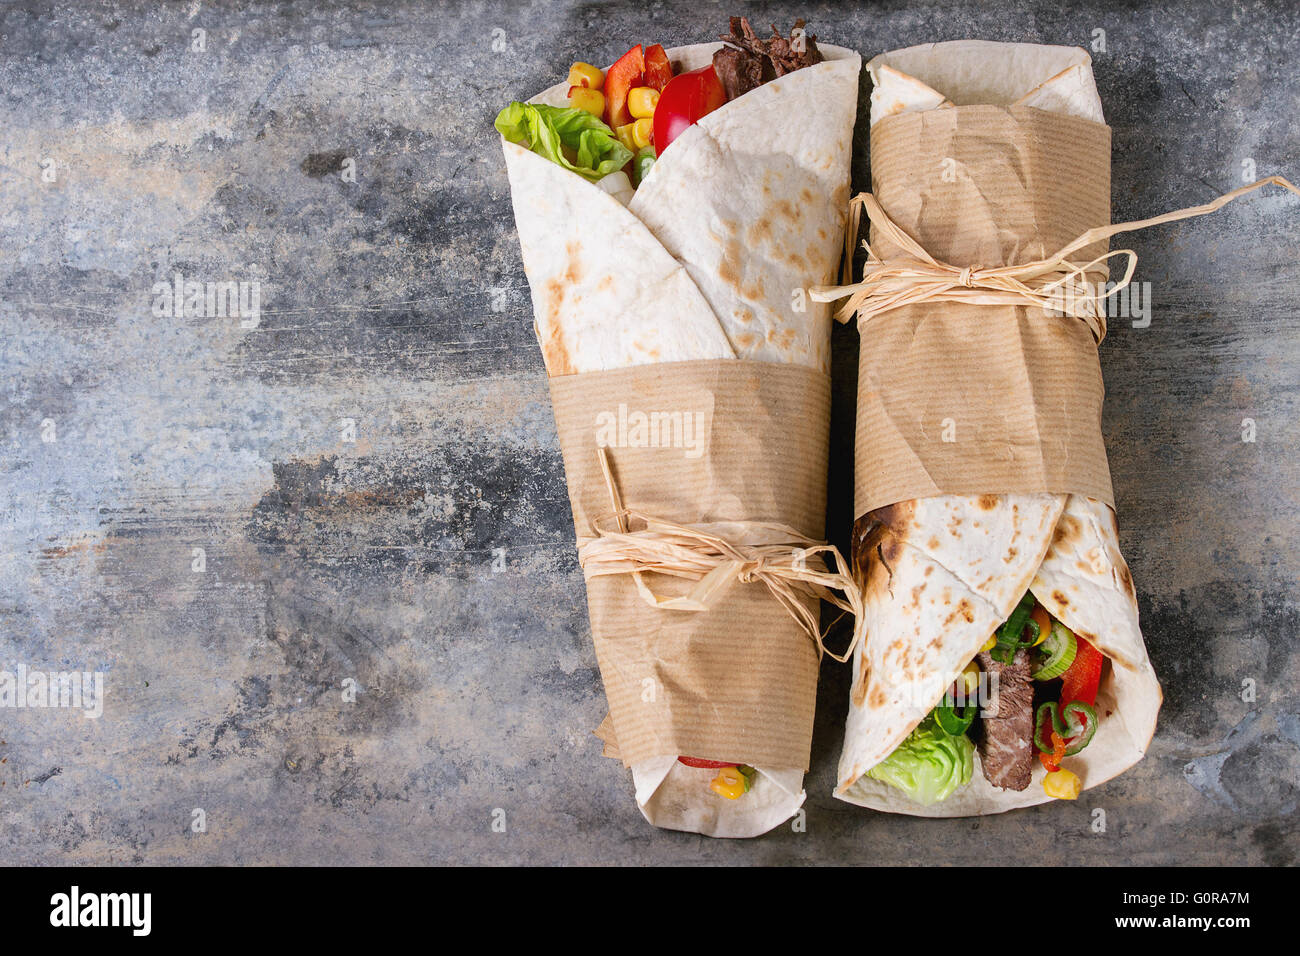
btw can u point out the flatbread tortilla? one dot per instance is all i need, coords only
(941, 574)
(744, 210)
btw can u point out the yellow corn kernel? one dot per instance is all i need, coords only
(624, 134)
(643, 132)
(729, 783)
(970, 678)
(992, 643)
(1062, 784)
(642, 100)
(593, 101)
(584, 74)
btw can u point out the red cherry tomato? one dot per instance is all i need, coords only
(686, 98)
(705, 764)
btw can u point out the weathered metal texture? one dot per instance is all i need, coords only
(397, 301)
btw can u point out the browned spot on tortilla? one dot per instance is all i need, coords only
(916, 595)
(554, 351)
(877, 698)
(929, 569)
(783, 339)
(1011, 555)
(605, 283)
(896, 516)
(1060, 599)
(860, 688)
(964, 611)
(988, 502)
(806, 194)
(745, 340)
(1126, 579)
(745, 315)
(785, 210)
(890, 550)
(822, 233)
(729, 268)
(1067, 530)
(933, 544)
(760, 231)
(573, 272)
(754, 290)
(796, 260)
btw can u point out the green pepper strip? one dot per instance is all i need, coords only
(1009, 634)
(1076, 712)
(950, 721)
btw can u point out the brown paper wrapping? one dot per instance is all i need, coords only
(737, 682)
(958, 398)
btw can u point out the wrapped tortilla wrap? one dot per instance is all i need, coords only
(941, 573)
(701, 265)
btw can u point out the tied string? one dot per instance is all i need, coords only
(1055, 284)
(774, 555)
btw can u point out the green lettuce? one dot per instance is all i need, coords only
(929, 765)
(546, 130)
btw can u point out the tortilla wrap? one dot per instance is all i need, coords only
(744, 211)
(941, 574)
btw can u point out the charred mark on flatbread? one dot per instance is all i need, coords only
(760, 231)
(729, 268)
(1126, 580)
(554, 351)
(1061, 599)
(988, 502)
(964, 611)
(1067, 530)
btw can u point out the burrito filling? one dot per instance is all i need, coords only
(620, 120)
(1030, 692)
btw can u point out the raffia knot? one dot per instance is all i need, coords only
(789, 564)
(1057, 284)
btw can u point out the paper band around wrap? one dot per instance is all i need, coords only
(761, 457)
(959, 398)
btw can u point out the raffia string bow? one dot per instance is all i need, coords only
(775, 555)
(1055, 283)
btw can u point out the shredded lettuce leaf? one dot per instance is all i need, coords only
(929, 765)
(547, 130)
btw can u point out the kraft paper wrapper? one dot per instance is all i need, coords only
(1019, 389)
(737, 682)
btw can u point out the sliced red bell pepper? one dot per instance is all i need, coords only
(619, 80)
(1081, 680)
(658, 71)
(705, 764)
(1052, 762)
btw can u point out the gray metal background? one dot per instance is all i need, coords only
(372, 559)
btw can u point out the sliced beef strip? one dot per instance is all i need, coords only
(1007, 747)
(774, 57)
(739, 70)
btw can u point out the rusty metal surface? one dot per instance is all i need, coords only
(232, 521)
